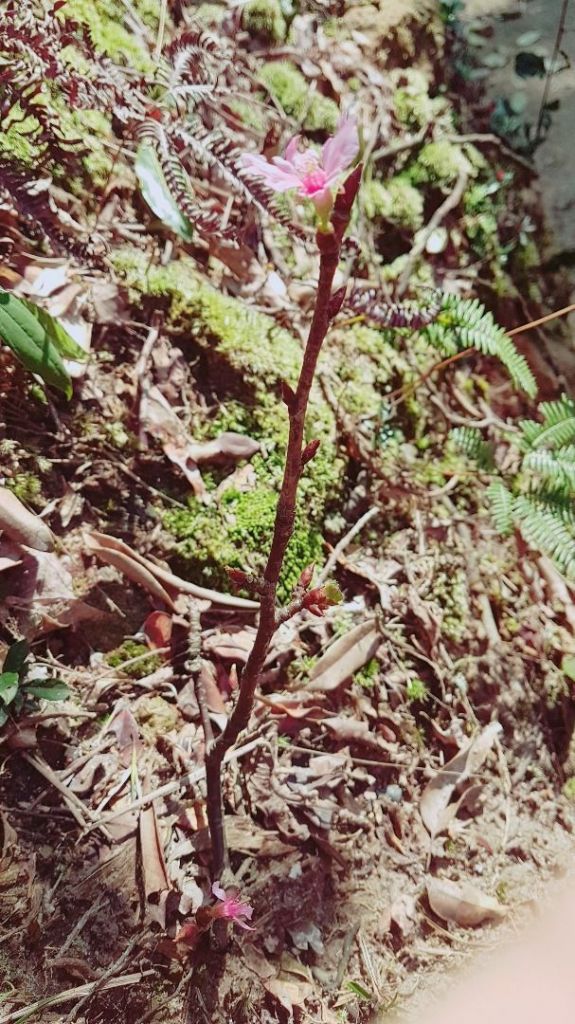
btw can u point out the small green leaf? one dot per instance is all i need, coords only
(359, 990)
(58, 335)
(32, 342)
(157, 194)
(568, 666)
(9, 683)
(3, 717)
(48, 689)
(15, 659)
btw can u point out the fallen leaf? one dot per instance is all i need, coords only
(433, 805)
(43, 596)
(463, 904)
(345, 656)
(104, 547)
(133, 569)
(154, 870)
(158, 629)
(350, 730)
(23, 526)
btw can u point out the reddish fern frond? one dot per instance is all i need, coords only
(178, 182)
(370, 303)
(211, 149)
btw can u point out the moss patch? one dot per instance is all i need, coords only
(292, 91)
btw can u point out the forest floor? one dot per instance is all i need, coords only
(371, 867)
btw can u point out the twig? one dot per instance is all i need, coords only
(329, 245)
(343, 543)
(493, 140)
(551, 70)
(452, 200)
(17, 1016)
(184, 782)
(100, 982)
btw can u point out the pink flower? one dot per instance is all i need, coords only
(313, 174)
(231, 907)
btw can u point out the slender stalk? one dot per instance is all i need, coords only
(329, 245)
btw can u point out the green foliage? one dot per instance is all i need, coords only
(416, 690)
(27, 487)
(17, 692)
(439, 163)
(396, 201)
(540, 500)
(105, 22)
(37, 340)
(292, 91)
(501, 501)
(469, 440)
(265, 17)
(147, 661)
(557, 429)
(465, 323)
(237, 533)
(158, 196)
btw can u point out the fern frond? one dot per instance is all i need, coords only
(470, 441)
(558, 468)
(211, 149)
(544, 529)
(177, 180)
(373, 306)
(465, 323)
(557, 429)
(501, 502)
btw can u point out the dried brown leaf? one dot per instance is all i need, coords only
(463, 904)
(101, 546)
(345, 656)
(23, 526)
(433, 805)
(154, 870)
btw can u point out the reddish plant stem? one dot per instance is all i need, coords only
(329, 245)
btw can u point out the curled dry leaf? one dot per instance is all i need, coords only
(434, 804)
(345, 656)
(463, 904)
(23, 526)
(159, 419)
(42, 595)
(104, 548)
(154, 870)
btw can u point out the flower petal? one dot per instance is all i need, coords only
(218, 892)
(274, 177)
(341, 150)
(292, 148)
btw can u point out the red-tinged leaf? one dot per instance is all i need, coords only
(158, 629)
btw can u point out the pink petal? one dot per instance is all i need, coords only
(341, 150)
(218, 892)
(275, 177)
(292, 148)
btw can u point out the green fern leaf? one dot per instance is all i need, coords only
(501, 501)
(544, 529)
(465, 323)
(557, 429)
(557, 468)
(469, 440)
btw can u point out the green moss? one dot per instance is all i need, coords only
(416, 690)
(132, 649)
(414, 107)
(19, 141)
(106, 22)
(439, 163)
(265, 18)
(210, 15)
(569, 789)
(27, 487)
(450, 590)
(396, 201)
(292, 91)
(251, 355)
(368, 675)
(238, 533)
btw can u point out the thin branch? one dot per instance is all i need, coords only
(450, 203)
(551, 69)
(329, 245)
(343, 543)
